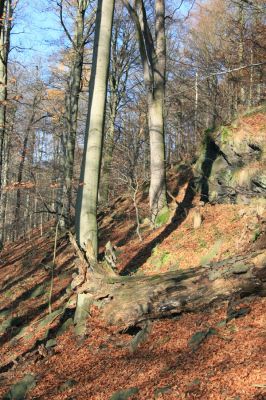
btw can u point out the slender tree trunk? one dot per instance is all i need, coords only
(122, 55)
(241, 16)
(108, 157)
(86, 208)
(72, 116)
(157, 192)
(72, 105)
(3, 81)
(250, 100)
(4, 181)
(153, 56)
(156, 117)
(4, 140)
(22, 164)
(196, 104)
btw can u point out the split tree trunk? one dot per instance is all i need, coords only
(86, 208)
(72, 105)
(128, 301)
(122, 57)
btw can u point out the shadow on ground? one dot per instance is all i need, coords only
(180, 215)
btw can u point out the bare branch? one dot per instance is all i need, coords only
(60, 5)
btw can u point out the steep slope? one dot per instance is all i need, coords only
(206, 355)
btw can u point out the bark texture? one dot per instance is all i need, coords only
(153, 56)
(86, 209)
(6, 18)
(122, 58)
(128, 301)
(72, 99)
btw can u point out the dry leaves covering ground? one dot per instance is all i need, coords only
(229, 364)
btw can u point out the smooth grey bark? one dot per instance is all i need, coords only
(87, 198)
(153, 56)
(122, 57)
(78, 42)
(108, 155)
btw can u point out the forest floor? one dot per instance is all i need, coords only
(191, 356)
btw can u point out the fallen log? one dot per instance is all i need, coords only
(129, 300)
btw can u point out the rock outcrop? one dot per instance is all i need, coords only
(232, 164)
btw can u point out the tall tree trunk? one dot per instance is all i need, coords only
(3, 82)
(72, 111)
(72, 102)
(86, 207)
(241, 21)
(122, 56)
(153, 56)
(157, 193)
(156, 117)
(108, 155)
(4, 181)
(4, 140)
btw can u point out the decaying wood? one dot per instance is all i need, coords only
(197, 218)
(140, 298)
(140, 337)
(110, 256)
(90, 274)
(128, 301)
(82, 264)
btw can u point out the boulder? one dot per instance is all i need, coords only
(231, 167)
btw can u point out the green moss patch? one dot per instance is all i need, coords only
(163, 217)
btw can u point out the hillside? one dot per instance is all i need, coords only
(198, 355)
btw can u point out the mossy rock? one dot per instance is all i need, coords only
(8, 323)
(65, 326)
(20, 389)
(5, 313)
(22, 333)
(159, 260)
(5, 325)
(260, 180)
(51, 343)
(240, 268)
(162, 390)
(213, 196)
(251, 178)
(226, 163)
(219, 166)
(124, 394)
(82, 312)
(211, 253)
(198, 337)
(162, 217)
(37, 292)
(226, 134)
(49, 318)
